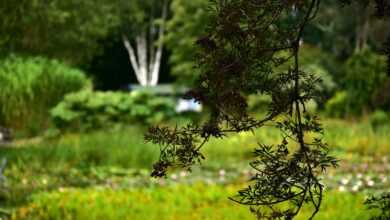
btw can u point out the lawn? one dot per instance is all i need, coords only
(105, 175)
(191, 202)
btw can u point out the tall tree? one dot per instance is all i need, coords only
(245, 41)
(342, 32)
(183, 28)
(69, 30)
(145, 53)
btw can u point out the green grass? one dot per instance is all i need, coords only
(198, 201)
(346, 139)
(88, 159)
(71, 160)
(357, 137)
(123, 148)
(126, 147)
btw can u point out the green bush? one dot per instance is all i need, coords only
(365, 72)
(380, 203)
(312, 55)
(381, 97)
(258, 103)
(337, 105)
(379, 119)
(88, 110)
(320, 64)
(30, 87)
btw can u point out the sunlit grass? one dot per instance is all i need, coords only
(193, 202)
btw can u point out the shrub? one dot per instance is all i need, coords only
(379, 119)
(87, 110)
(315, 56)
(380, 203)
(325, 88)
(30, 87)
(322, 65)
(258, 103)
(337, 105)
(365, 72)
(381, 98)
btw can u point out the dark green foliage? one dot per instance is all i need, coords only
(380, 203)
(337, 106)
(387, 52)
(322, 65)
(67, 30)
(379, 119)
(31, 86)
(382, 8)
(365, 72)
(364, 84)
(381, 97)
(87, 110)
(245, 42)
(187, 23)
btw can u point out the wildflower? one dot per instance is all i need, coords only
(174, 176)
(341, 188)
(370, 183)
(222, 172)
(383, 178)
(344, 181)
(359, 175)
(44, 181)
(355, 188)
(209, 181)
(359, 183)
(183, 174)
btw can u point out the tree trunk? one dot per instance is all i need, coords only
(146, 59)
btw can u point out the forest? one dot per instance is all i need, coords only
(201, 109)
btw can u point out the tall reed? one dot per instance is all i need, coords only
(29, 87)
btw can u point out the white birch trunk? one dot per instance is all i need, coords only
(158, 55)
(133, 60)
(147, 66)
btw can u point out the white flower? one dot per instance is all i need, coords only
(355, 188)
(44, 181)
(222, 172)
(183, 174)
(174, 176)
(359, 183)
(344, 181)
(370, 183)
(341, 188)
(359, 175)
(209, 181)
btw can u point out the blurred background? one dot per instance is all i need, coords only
(82, 80)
